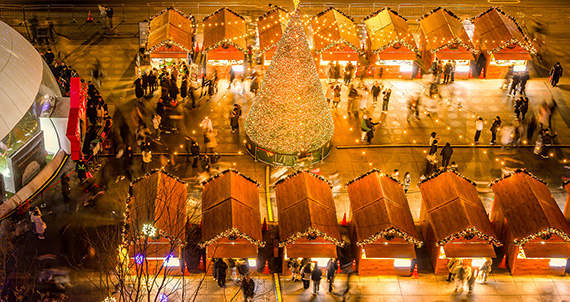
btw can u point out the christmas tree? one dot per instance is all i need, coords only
(290, 113)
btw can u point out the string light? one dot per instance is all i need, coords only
(452, 42)
(231, 234)
(394, 36)
(388, 234)
(239, 41)
(290, 113)
(310, 233)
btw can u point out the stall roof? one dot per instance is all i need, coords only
(171, 26)
(387, 29)
(380, 209)
(270, 27)
(332, 27)
(306, 207)
(158, 199)
(443, 30)
(224, 26)
(230, 208)
(529, 207)
(455, 209)
(497, 31)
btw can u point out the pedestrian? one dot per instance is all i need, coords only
(432, 137)
(336, 71)
(184, 88)
(156, 120)
(329, 95)
(507, 134)
(348, 70)
(376, 88)
(39, 224)
(144, 78)
(530, 128)
(460, 276)
(49, 57)
(221, 269)
(364, 94)
(65, 190)
(514, 83)
(524, 108)
(173, 91)
(234, 120)
(211, 143)
(451, 267)
(555, 74)
(412, 108)
(109, 13)
(546, 143)
(232, 77)
(206, 124)
(330, 71)
(479, 124)
(433, 147)
(248, 288)
(386, 99)
(364, 127)
(332, 267)
(139, 91)
(151, 81)
(370, 132)
(453, 64)
(396, 174)
(446, 153)
(407, 182)
(518, 105)
(524, 78)
(306, 275)
(81, 170)
(495, 127)
(336, 96)
(351, 104)
(471, 278)
(294, 268)
(447, 72)
(543, 115)
(316, 276)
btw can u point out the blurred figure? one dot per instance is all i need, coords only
(485, 269)
(332, 267)
(316, 276)
(555, 74)
(39, 224)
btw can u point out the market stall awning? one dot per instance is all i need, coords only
(389, 32)
(496, 32)
(171, 28)
(333, 27)
(306, 208)
(443, 30)
(230, 209)
(455, 210)
(270, 27)
(380, 209)
(529, 208)
(224, 28)
(158, 199)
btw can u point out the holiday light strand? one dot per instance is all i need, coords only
(205, 182)
(230, 234)
(388, 234)
(168, 42)
(335, 9)
(221, 9)
(375, 170)
(519, 28)
(290, 115)
(276, 8)
(457, 41)
(340, 41)
(517, 171)
(290, 176)
(227, 42)
(543, 234)
(469, 233)
(438, 9)
(395, 41)
(190, 17)
(381, 10)
(434, 175)
(311, 233)
(513, 41)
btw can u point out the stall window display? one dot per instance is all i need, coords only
(518, 65)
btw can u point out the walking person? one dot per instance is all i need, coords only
(336, 96)
(351, 104)
(471, 278)
(495, 128)
(386, 99)
(81, 170)
(407, 182)
(460, 276)
(446, 153)
(65, 190)
(211, 143)
(433, 147)
(364, 95)
(479, 124)
(139, 91)
(156, 121)
(306, 275)
(370, 133)
(524, 108)
(555, 74)
(151, 81)
(447, 72)
(294, 268)
(514, 83)
(376, 88)
(146, 157)
(144, 78)
(316, 276)
(337, 68)
(39, 224)
(546, 143)
(332, 267)
(329, 95)
(234, 119)
(184, 88)
(451, 267)
(485, 269)
(221, 270)
(248, 288)
(364, 127)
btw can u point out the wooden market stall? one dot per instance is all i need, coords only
(392, 44)
(335, 38)
(530, 223)
(308, 224)
(502, 43)
(454, 221)
(170, 37)
(270, 27)
(156, 222)
(566, 186)
(382, 224)
(444, 37)
(231, 222)
(225, 42)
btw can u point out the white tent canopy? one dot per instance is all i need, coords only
(21, 71)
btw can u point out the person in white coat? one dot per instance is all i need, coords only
(39, 224)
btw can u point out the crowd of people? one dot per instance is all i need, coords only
(466, 275)
(306, 271)
(239, 272)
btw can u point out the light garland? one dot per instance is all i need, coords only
(233, 232)
(166, 43)
(224, 41)
(469, 232)
(310, 233)
(522, 170)
(275, 8)
(513, 41)
(434, 175)
(205, 182)
(190, 17)
(438, 9)
(221, 9)
(375, 170)
(541, 234)
(340, 41)
(388, 233)
(282, 180)
(290, 114)
(374, 14)
(332, 8)
(395, 41)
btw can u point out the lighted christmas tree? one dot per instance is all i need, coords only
(290, 113)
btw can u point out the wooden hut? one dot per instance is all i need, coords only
(225, 41)
(530, 223)
(392, 44)
(502, 43)
(308, 225)
(170, 36)
(335, 38)
(444, 37)
(566, 186)
(270, 27)
(157, 222)
(382, 224)
(231, 222)
(454, 221)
